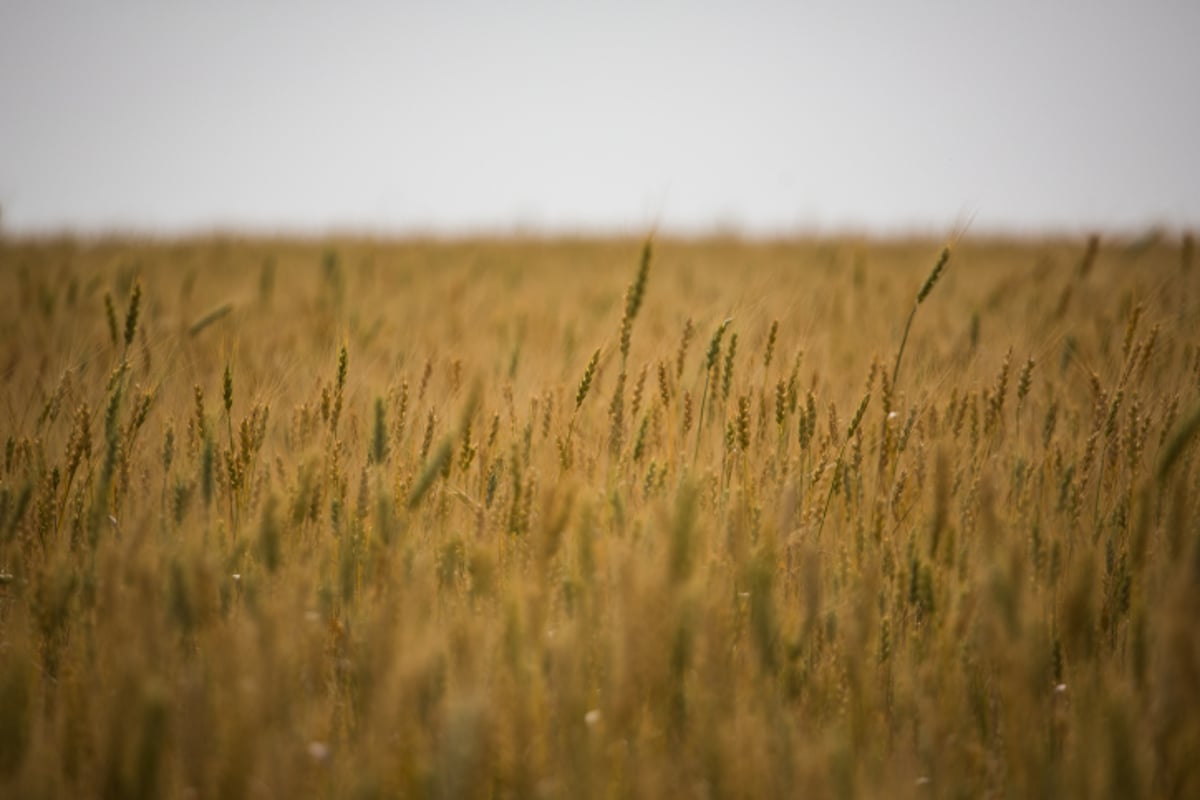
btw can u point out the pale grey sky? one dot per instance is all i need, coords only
(605, 116)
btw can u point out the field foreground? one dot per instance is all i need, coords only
(579, 519)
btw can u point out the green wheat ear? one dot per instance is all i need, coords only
(710, 362)
(110, 313)
(850, 431)
(585, 384)
(131, 318)
(1175, 448)
(932, 280)
(633, 302)
(926, 288)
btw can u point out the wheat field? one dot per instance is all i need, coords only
(599, 518)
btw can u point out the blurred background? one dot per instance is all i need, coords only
(598, 118)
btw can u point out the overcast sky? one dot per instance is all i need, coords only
(604, 116)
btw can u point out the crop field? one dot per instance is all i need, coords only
(599, 518)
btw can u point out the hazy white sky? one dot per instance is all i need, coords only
(615, 116)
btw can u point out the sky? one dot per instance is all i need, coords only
(598, 117)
